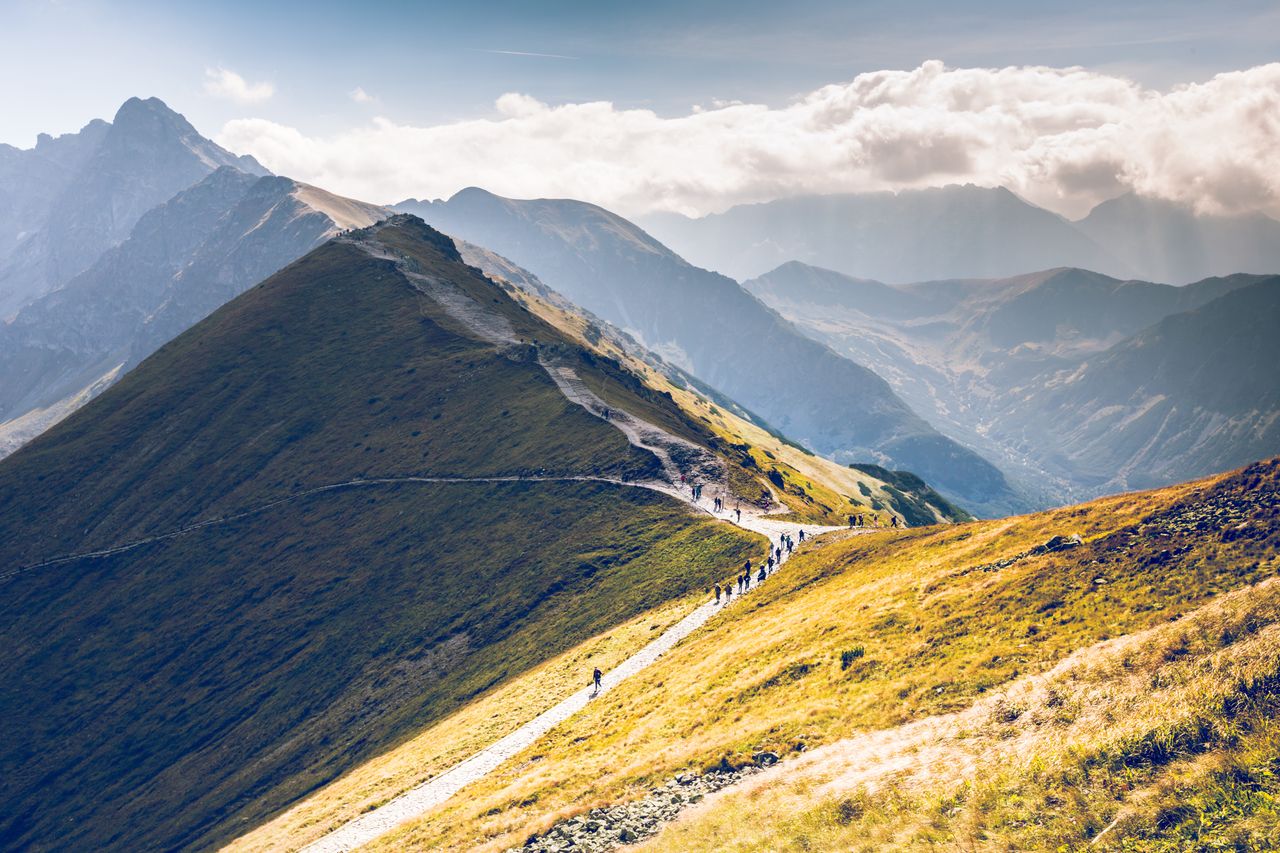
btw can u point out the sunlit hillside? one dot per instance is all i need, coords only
(871, 636)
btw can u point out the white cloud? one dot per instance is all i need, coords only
(225, 83)
(1062, 137)
(360, 96)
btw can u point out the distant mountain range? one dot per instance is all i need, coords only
(1078, 384)
(69, 199)
(970, 232)
(186, 256)
(707, 324)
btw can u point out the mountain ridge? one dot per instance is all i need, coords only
(183, 259)
(706, 324)
(194, 684)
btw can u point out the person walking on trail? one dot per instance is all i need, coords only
(728, 594)
(760, 578)
(597, 677)
(717, 593)
(746, 582)
(802, 535)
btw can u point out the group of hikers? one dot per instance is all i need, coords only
(860, 521)
(777, 553)
(695, 489)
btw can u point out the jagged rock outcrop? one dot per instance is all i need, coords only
(100, 183)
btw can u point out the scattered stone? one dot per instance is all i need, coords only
(606, 829)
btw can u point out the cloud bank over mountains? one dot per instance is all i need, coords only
(1064, 138)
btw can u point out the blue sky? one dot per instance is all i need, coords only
(66, 61)
(684, 106)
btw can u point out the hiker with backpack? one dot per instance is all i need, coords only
(597, 677)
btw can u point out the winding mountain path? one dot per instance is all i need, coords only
(418, 801)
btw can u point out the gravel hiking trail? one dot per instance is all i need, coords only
(418, 801)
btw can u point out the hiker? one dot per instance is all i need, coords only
(739, 512)
(746, 582)
(717, 593)
(728, 594)
(789, 545)
(851, 522)
(769, 564)
(746, 567)
(895, 520)
(596, 677)
(779, 553)
(762, 575)
(802, 535)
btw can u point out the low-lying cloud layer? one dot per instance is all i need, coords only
(1063, 138)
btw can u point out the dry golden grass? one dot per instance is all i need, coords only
(1128, 744)
(935, 635)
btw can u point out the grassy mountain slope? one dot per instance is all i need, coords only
(887, 632)
(1162, 740)
(707, 325)
(178, 693)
